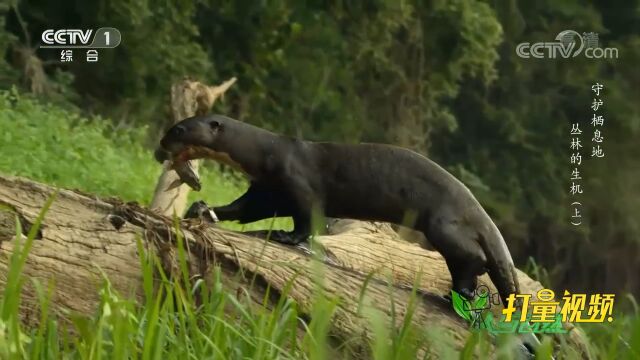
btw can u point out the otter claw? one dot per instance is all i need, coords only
(200, 210)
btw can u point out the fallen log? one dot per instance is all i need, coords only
(83, 235)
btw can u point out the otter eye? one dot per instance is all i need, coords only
(214, 124)
(177, 130)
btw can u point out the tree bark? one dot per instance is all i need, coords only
(83, 235)
(188, 98)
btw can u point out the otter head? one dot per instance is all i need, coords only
(198, 137)
(191, 138)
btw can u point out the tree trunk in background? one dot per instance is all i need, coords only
(81, 235)
(188, 98)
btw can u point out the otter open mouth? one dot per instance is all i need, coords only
(181, 163)
(192, 152)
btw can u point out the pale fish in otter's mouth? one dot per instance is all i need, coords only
(186, 175)
(182, 165)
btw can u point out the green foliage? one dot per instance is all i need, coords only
(156, 50)
(514, 136)
(360, 61)
(351, 70)
(8, 74)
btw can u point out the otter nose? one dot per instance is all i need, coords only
(161, 155)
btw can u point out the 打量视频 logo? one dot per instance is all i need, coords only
(542, 314)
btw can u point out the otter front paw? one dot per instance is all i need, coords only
(289, 238)
(279, 236)
(200, 210)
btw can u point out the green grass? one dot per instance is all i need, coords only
(61, 148)
(169, 324)
(224, 324)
